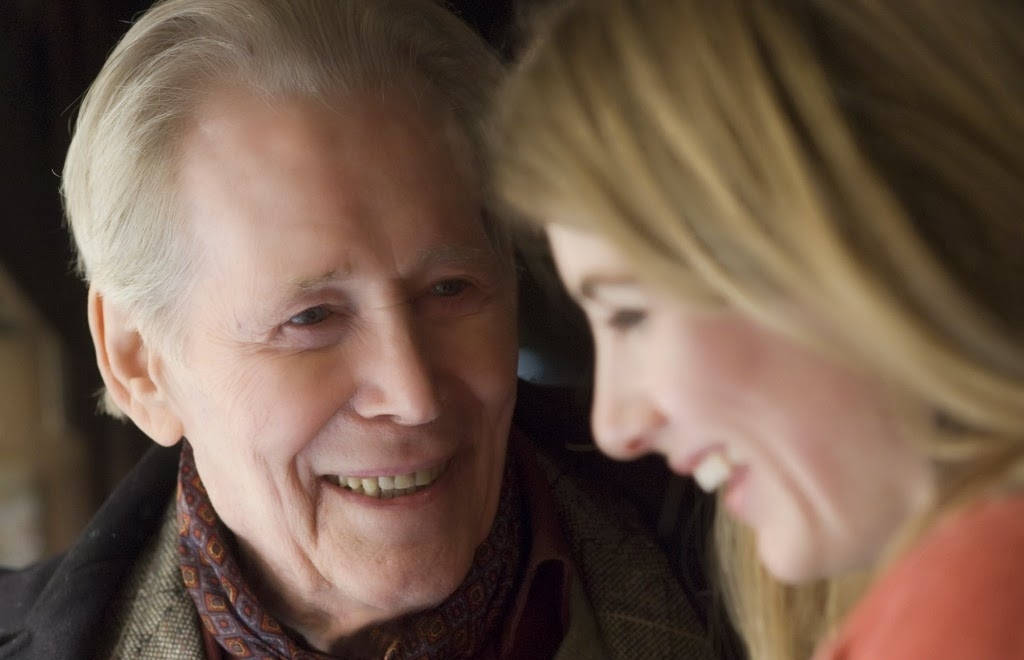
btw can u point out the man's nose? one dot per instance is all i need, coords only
(396, 378)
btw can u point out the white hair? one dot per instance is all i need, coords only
(118, 190)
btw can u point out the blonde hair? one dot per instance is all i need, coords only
(859, 160)
(118, 181)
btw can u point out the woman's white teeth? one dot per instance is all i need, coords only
(712, 472)
(388, 486)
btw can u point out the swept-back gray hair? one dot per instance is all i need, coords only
(119, 173)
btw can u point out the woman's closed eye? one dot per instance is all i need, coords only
(626, 319)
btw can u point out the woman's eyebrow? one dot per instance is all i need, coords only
(592, 287)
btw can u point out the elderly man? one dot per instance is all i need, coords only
(293, 288)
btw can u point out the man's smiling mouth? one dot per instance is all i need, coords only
(389, 486)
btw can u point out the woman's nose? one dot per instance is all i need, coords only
(625, 417)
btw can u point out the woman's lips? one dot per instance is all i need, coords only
(735, 491)
(712, 467)
(712, 471)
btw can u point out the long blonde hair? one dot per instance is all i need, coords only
(858, 159)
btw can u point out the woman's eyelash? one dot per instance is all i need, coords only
(625, 319)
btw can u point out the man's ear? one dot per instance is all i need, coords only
(131, 371)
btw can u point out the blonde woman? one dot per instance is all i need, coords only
(797, 228)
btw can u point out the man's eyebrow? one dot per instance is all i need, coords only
(453, 255)
(316, 281)
(591, 285)
(443, 254)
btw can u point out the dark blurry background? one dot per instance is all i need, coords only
(58, 458)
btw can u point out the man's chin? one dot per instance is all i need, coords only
(413, 588)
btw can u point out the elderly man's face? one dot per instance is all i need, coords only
(349, 371)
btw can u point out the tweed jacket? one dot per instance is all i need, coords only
(118, 591)
(614, 607)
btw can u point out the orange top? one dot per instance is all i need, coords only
(958, 594)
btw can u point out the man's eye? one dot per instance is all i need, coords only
(624, 319)
(310, 316)
(451, 298)
(449, 288)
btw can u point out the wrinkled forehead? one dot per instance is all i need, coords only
(390, 147)
(237, 133)
(282, 183)
(285, 124)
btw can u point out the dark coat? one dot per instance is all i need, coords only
(43, 613)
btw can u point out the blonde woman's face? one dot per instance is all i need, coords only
(807, 453)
